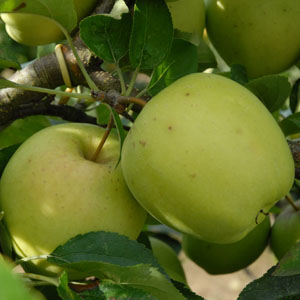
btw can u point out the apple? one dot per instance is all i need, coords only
(188, 16)
(34, 30)
(261, 35)
(51, 191)
(168, 259)
(207, 158)
(285, 231)
(228, 258)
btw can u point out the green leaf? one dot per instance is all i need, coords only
(92, 294)
(107, 37)
(238, 73)
(152, 34)
(5, 241)
(295, 96)
(103, 113)
(12, 288)
(206, 58)
(7, 84)
(54, 9)
(123, 292)
(182, 60)
(64, 290)
(272, 90)
(186, 292)
(291, 124)
(290, 263)
(21, 129)
(5, 155)
(271, 287)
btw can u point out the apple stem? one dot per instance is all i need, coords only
(104, 137)
(133, 100)
(292, 203)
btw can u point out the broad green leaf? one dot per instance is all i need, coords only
(182, 60)
(238, 73)
(295, 96)
(272, 90)
(291, 124)
(271, 287)
(206, 58)
(152, 34)
(21, 129)
(54, 9)
(12, 288)
(123, 292)
(64, 290)
(5, 241)
(5, 155)
(106, 247)
(290, 263)
(107, 37)
(103, 113)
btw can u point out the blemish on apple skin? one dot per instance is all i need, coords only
(170, 127)
(143, 143)
(194, 175)
(133, 144)
(154, 119)
(239, 131)
(187, 94)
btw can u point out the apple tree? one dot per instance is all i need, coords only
(132, 130)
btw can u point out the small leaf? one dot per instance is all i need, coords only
(152, 34)
(107, 37)
(182, 60)
(238, 73)
(291, 124)
(295, 96)
(21, 129)
(271, 287)
(7, 84)
(272, 90)
(103, 113)
(64, 290)
(123, 292)
(290, 263)
(5, 155)
(186, 292)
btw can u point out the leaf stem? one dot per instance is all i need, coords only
(132, 81)
(51, 280)
(132, 100)
(104, 138)
(292, 203)
(122, 81)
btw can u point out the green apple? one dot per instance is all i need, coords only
(261, 35)
(188, 16)
(34, 30)
(206, 157)
(285, 231)
(228, 258)
(168, 259)
(51, 191)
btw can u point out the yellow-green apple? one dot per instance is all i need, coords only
(228, 258)
(51, 191)
(168, 259)
(207, 158)
(261, 35)
(285, 231)
(34, 30)
(188, 16)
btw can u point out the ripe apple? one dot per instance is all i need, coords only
(228, 258)
(168, 259)
(261, 35)
(206, 158)
(34, 30)
(51, 191)
(285, 231)
(188, 16)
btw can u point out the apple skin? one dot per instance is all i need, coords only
(285, 231)
(261, 35)
(188, 16)
(34, 30)
(228, 258)
(168, 259)
(51, 191)
(205, 157)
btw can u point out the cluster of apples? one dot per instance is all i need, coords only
(204, 157)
